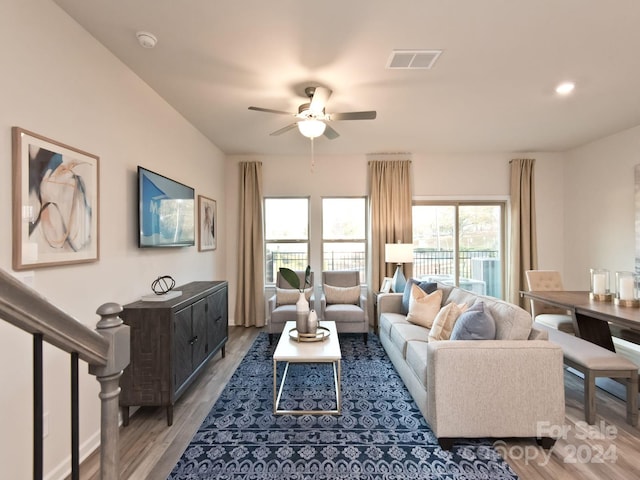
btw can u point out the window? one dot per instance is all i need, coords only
(286, 235)
(344, 234)
(460, 243)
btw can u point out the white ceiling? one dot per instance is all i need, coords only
(491, 90)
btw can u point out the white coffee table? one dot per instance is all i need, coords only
(292, 351)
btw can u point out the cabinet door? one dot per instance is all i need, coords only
(217, 313)
(182, 337)
(199, 339)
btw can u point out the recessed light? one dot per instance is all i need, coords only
(565, 88)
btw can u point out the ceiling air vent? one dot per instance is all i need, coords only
(413, 59)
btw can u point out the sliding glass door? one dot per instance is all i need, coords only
(460, 243)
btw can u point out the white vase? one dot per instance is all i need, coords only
(302, 314)
(312, 322)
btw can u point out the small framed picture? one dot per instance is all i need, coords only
(386, 285)
(207, 224)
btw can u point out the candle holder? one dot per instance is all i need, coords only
(627, 289)
(599, 290)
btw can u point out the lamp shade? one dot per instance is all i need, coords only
(398, 253)
(311, 128)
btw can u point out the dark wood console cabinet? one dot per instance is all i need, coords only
(170, 343)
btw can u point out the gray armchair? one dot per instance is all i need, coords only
(343, 302)
(281, 313)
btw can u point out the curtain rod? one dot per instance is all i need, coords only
(514, 159)
(389, 160)
(372, 157)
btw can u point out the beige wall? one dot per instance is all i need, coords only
(600, 208)
(59, 82)
(462, 176)
(487, 176)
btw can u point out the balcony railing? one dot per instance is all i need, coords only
(298, 261)
(441, 262)
(425, 262)
(344, 261)
(276, 260)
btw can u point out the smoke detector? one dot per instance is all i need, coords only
(146, 39)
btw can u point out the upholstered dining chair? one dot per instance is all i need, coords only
(553, 317)
(343, 302)
(282, 305)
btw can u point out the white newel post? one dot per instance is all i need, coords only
(111, 327)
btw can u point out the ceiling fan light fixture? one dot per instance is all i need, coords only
(311, 128)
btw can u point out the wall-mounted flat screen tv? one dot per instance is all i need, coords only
(166, 211)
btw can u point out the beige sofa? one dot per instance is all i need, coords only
(509, 387)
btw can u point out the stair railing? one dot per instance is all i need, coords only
(105, 350)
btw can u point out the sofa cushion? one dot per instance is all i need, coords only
(423, 307)
(428, 287)
(283, 313)
(289, 296)
(445, 320)
(512, 322)
(388, 320)
(417, 359)
(342, 295)
(344, 313)
(446, 291)
(401, 333)
(460, 295)
(476, 323)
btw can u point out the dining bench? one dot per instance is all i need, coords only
(595, 361)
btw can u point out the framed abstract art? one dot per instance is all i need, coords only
(207, 224)
(55, 203)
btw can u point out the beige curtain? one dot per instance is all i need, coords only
(250, 297)
(390, 210)
(523, 251)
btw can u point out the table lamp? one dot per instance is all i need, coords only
(398, 253)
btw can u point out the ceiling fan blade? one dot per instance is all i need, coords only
(269, 110)
(284, 129)
(370, 115)
(319, 99)
(330, 133)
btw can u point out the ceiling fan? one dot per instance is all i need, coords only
(312, 119)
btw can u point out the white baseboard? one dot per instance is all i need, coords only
(63, 470)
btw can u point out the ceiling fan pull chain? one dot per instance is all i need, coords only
(313, 157)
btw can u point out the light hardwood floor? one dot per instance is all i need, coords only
(609, 450)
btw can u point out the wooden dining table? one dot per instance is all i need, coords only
(593, 320)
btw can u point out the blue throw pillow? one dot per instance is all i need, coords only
(476, 323)
(428, 287)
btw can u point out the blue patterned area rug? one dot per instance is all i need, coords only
(381, 434)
